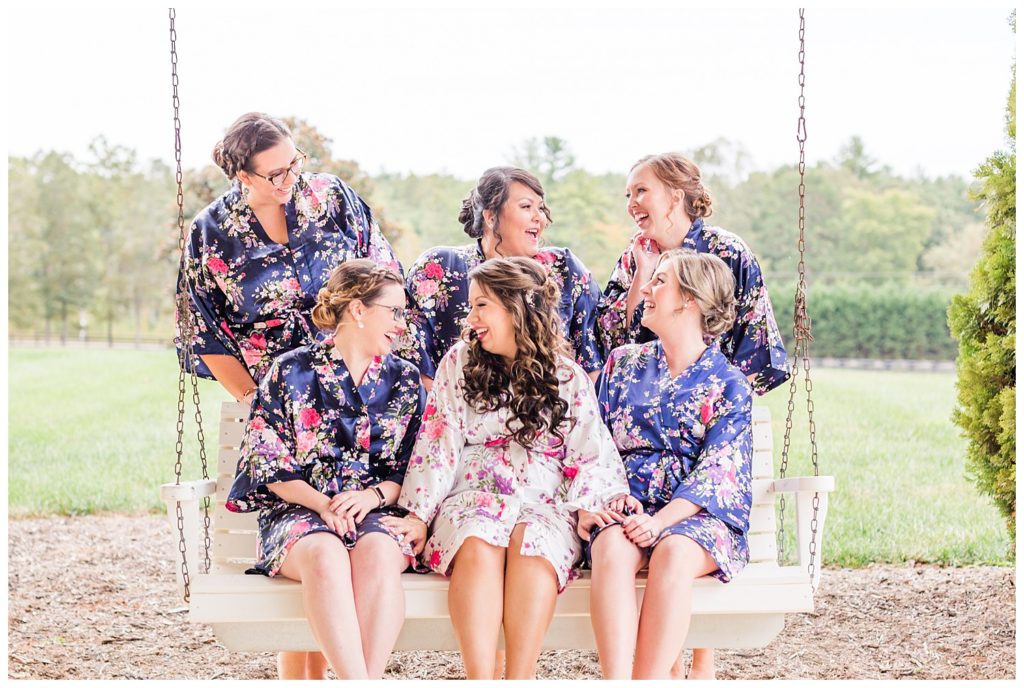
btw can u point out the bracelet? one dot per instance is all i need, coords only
(380, 496)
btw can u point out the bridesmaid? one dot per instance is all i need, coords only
(679, 413)
(506, 214)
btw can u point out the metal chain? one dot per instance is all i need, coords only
(186, 333)
(802, 331)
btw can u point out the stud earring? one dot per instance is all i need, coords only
(359, 324)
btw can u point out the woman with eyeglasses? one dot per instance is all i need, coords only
(255, 260)
(323, 460)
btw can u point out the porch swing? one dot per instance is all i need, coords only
(260, 614)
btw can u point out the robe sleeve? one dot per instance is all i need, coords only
(612, 328)
(419, 347)
(269, 451)
(583, 324)
(207, 306)
(758, 347)
(720, 481)
(409, 438)
(591, 454)
(439, 444)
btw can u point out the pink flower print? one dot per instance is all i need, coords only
(433, 429)
(426, 288)
(570, 471)
(496, 442)
(707, 409)
(308, 417)
(257, 424)
(545, 257)
(484, 500)
(305, 441)
(290, 284)
(364, 434)
(318, 183)
(258, 341)
(434, 271)
(435, 559)
(217, 266)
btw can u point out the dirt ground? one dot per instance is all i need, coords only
(94, 597)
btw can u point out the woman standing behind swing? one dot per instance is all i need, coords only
(323, 459)
(507, 215)
(668, 202)
(256, 258)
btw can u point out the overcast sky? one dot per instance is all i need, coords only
(434, 90)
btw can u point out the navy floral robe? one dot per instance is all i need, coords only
(439, 286)
(251, 297)
(754, 343)
(311, 422)
(685, 437)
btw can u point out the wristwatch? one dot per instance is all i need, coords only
(380, 496)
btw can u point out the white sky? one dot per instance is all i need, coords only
(432, 90)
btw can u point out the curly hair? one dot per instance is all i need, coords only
(360, 279)
(247, 137)
(710, 282)
(528, 385)
(676, 171)
(491, 193)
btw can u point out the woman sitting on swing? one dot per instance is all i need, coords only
(679, 412)
(512, 445)
(323, 459)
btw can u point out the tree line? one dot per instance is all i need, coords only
(93, 242)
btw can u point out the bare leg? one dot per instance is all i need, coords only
(703, 668)
(665, 616)
(613, 612)
(475, 604)
(499, 665)
(531, 587)
(377, 565)
(321, 563)
(291, 666)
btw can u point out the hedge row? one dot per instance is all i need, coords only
(872, 321)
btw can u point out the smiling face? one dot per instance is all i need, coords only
(280, 158)
(381, 330)
(521, 221)
(491, 321)
(653, 206)
(663, 300)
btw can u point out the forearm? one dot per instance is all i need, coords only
(302, 493)
(391, 491)
(633, 298)
(675, 511)
(230, 373)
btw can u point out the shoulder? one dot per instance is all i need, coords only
(452, 362)
(324, 185)
(735, 382)
(214, 216)
(562, 258)
(444, 256)
(722, 241)
(633, 354)
(401, 369)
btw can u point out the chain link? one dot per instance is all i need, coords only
(802, 332)
(186, 333)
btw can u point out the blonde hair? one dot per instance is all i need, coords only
(359, 279)
(676, 171)
(710, 282)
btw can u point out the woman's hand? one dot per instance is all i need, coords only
(340, 524)
(354, 504)
(590, 519)
(412, 530)
(642, 530)
(646, 254)
(625, 505)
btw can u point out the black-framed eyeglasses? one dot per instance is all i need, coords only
(277, 179)
(397, 312)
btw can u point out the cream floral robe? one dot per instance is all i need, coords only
(465, 478)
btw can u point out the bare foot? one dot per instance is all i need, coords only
(700, 673)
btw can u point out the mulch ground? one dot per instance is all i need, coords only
(93, 597)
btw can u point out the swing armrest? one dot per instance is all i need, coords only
(191, 491)
(820, 483)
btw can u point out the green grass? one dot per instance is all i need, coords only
(94, 431)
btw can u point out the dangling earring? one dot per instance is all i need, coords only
(359, 324)
(245, 192)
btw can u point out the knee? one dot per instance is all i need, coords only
(677, 556)
(476, 552)
(323, 557)
(612, 550)
(375, 552)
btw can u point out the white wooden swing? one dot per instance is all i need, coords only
(257, 614)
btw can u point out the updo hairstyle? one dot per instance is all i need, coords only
(710, 282)
(250, 135)
(490, 193)
(528, 386)
(358, 279)
(676, 171)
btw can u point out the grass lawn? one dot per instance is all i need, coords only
(94, 431)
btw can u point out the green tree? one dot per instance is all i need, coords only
(984, 321)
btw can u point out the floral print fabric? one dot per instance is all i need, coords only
(251, 297)
(685, 437)
(439, 286)
(310, 421)
(754, 343)
(465, 478)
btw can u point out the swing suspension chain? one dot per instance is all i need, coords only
(802, 332)
(186, 332)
